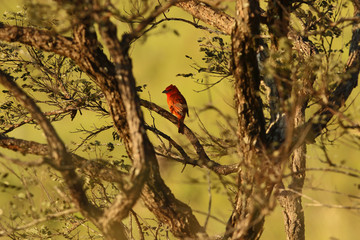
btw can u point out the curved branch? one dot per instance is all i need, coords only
(91, 168)
(141, 148)
(186, 159)
(57, 149)
(204, 160)
(138, 31)
(156, 194)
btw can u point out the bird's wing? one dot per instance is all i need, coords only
(180, 108)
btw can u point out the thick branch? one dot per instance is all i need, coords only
(65, 110)
(142, 150)
(246, 221)
(156, 195)
(40, 39)
(209, 15)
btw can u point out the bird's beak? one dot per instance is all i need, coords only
(164, 91)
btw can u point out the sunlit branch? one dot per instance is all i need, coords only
(209, 15)
(41, 39)
(89, 167)
(67, 110)
(186, 157)
(204, 160)
(138, 224)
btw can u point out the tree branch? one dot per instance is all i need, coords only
(91, 168)
(339, 96)
(247, 220)
(40, 39)
(67, 109)
(155, 194)
(204, 160)
(209, 15)
(57, 150)
(142, 150)
(39, 220)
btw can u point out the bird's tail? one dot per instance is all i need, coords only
(181, 126)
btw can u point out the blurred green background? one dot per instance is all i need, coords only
(157, 60)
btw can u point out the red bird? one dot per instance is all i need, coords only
(177, 105)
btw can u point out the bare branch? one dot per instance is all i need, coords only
(204, 160)
(186, 158)
(49, 216)
(146, 22)
(210, 200)
(194, 24)
(316, 203)
(57, 149)
(138, 224)
(91, 135)
(346, 172)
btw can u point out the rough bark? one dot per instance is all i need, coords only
(156, 195)
(290, 199)
(117, 84)
(278, 18)
(214, 17)
(159, 199)
(247, 221)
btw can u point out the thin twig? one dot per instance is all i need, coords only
(210, 199)
(204, 160)
(40, 220)
(138, 224)
(91, 135)
(68, 109)
(350, 174)
(23, 163)
(316, 203)
(211, 216)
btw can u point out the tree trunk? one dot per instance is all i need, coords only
(247, 220)
(290, 199)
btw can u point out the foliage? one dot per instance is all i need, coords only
(302, 70)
